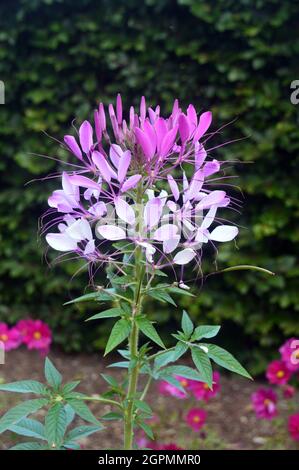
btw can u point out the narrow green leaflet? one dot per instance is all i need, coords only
(111, 312)
(25, 386)
(205, 331)
(171, 380)
(119, 333)
(162, 296)
(29, 428)
(99, 296)
(14, 415)
(203, 364)
(110, 380)
(149, 330)
(180, 350)
(143, 406)
(147, 429)
(28, 446)
(177, 290)
(163, 359)
(82, 431)
(187, 325)
(70, 414)
(225, 359)
(82, 410)
(69, 387)
(112, 416)
(52, 375)
(184, 371)
(55, 425)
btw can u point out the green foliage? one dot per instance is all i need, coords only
(58, 59)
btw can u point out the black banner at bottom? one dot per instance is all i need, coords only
(136, 459)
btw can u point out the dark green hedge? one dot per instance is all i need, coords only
(59, 58)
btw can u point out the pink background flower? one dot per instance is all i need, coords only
(264, 403)
(278, 373)
(10, 337)
(196, 418)
(293, 426)
(290, 354)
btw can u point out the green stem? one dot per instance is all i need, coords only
(102, 400)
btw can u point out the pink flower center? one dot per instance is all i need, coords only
(4, 337)
(184, 383)
(196, 419)
(206, 387)
(280, 374)
(37, 335)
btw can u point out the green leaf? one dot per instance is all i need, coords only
(28, 446)
(187, 325)
(162, 296)
(14, 415)
(112, 416)
(143, 406)
(82, 431)
(147, 429)
(183, 371)
(163, 359)
(55, 425)
(70, 414)
(52, 375)
(203, 364)
(225, 359)
(102, 295)
(119, 333)
(121, 364)
(30, 428)
(25, 386)
(111, 312)
(171, 380)
(177, 290)
(67, 388)
(82, 410)
(149, 330)
(110, 380)
(180, 350)
(205, 331)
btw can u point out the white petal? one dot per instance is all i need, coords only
(184, 256)
(170, 245)
(209, 217)
(80, 230)
(111, 232)
(152, 212)
(224, 233)
(89, 248)
(165, 232)
(124, 211)
(61, 242)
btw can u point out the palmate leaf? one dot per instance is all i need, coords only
(52, 375)
(25, 386)
(205, 331)
(225, 359)
(55, 425)
(110, 313)
(149, 330)
(14, 415)
(29, 428)
(82, 410)
(119, 333)
(203, 364)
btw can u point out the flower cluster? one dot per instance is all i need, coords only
(35, 334)
(280, 372)
(123, 186)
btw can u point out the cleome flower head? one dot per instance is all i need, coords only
(147, 182)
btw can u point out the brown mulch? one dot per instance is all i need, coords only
(231, 423)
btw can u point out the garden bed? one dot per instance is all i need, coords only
(231, 422)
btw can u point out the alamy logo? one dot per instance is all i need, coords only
(294, 98)
(2, 92)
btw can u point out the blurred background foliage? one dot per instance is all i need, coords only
(59, 58)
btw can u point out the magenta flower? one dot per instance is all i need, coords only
(288, 391)
(196, 418)
(264, 403)
(290, 354)
(170, 446)
(112, 191)
(277, 373)
(166, 388)
(293, 426)
(38, 336)
(10, 337)
(201, 390)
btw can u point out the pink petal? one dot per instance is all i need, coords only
(119, 109)
(203, 125)
(168, 142)
(192, 116)
(85, 135)
(115, 153)
(165, 232)
(123, 166)
(161, 131)
(184, 256)
(200, 155)
(151, 133)
(124, 211)
(71, 191)
(104, 167)
(196, 184)
(89, 248)
(170, 245)
(111, 232)
(73, 146)
(174, 187)
(61, 242)
(79, 230)
(184, 128)
(84, 182)
(145, 143)
(142, 109)
(102, 117)
(130, 183)
(211, 167)
(152, 212)
(215, 197)
(224, 233)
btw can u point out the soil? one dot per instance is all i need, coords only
(231, 422)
